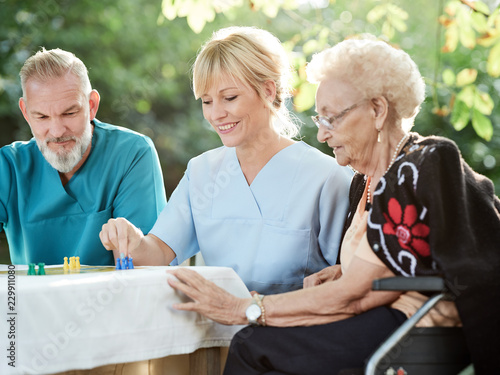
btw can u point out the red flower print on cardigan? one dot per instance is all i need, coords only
(412, 234)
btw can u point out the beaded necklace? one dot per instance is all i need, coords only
(393, 159)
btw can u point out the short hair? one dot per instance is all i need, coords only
(252, 56)
(45, 65)
(376, 69)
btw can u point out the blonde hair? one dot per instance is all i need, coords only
(376, 69)
(252, 56)
(54, 63)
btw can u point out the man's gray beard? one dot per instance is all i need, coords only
(64, 161)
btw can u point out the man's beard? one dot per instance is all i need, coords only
(64, 161)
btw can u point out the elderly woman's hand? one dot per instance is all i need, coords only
(326, 274)
(208, 299)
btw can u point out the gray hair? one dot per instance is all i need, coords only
(55, 63)
(376, 69)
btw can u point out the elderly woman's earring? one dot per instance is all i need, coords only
(378, 137)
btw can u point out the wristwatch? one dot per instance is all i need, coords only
(254, 311)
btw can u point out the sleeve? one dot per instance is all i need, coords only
(175, 225)
(333, 206)
(141, 194)
(5, 188)
(464, 243)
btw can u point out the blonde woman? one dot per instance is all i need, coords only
(270, 207)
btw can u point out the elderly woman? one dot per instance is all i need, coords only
(269, 207)
(416, 209)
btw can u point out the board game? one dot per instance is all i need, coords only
(59, 270)
(71, 266)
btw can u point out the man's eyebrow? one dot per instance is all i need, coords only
(71, 108)
(36, 113)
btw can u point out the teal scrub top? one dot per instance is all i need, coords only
(45, 221)
(283, 227)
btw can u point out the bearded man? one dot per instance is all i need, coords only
(59, 188)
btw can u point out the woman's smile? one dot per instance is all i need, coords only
(226, 128)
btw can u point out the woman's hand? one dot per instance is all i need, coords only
(208, 299)
(326, 274)
(121, 236)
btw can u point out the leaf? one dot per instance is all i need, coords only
(493, 18)
(480, 7)
(488, 39)
(451, 7)
(168, 9)
(449, 77)
(467, 37)
(482, 125)
(466, 33)
(478, 22)
(451, 35)
(304, 99)
(493, 63)
(388, 30)
(310, 47)
(483, 102)
(398, 23)
(376, 13)
(397, 11)
(460, 115)
(466, 77)
(199, 14)
(467, 95)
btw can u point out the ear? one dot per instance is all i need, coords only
(22, 106)
(94, 99)
(381, 110)
(270, 90)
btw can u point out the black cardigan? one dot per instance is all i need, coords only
(433, 215)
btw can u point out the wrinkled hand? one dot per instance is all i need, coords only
(208, 299)
(120, 235)
(325, 275)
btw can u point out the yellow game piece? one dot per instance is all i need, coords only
(66, 265)
(77, 263)
(72, 263)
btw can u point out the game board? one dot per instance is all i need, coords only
(59, 270)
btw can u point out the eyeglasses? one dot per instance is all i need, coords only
(328, 122)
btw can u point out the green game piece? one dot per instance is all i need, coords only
(41, 268)
(31, 269)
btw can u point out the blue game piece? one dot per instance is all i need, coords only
(124, 263)
(130, 263)
(118, 264)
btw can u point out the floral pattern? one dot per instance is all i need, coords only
(405, 224)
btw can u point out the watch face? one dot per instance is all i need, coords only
(253, 313)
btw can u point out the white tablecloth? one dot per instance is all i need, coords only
(82, 321)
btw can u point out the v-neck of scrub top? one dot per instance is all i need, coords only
(60, 195)
(268, 195)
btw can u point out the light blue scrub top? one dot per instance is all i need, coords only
(46, 221)
(286, 225)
